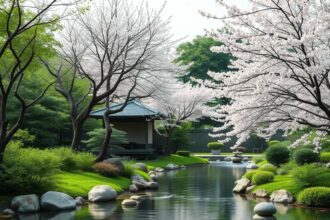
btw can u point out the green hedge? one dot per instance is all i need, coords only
(305, 156)
(268, 167)
(262, 177)
(277, 154)
(215, 145)
(250, 174)
(183, 153)
(315, 196)
(325, 157)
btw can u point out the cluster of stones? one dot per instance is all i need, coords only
(264, 211)
(244, 185)
(58, 201)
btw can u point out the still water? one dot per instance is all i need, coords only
(199, 193)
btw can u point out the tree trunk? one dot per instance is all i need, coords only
(107, 136)
(77, 135)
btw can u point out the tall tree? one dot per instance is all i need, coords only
(283, 50)
(180, 103)
(119, 47)
(24, 35)
(198, 58)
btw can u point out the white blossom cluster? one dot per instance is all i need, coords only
(283, 60)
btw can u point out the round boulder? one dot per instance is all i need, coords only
(101, 193)
(170, 166)
(261, 193)
(281, 196)
(26, 203)
(129, 203)
(55, 201)
(141, 166)
(152, 185)
(265, 209)
(117, 163)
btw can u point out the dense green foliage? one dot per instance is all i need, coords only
(181, 136)
(277, 154)
(268, 167)
(215, 145)
(258, 158)
(32, 170)
(183, 153)
(315, 196)
(325, 157)
(262, 177)
(28, 170)
(96, 136)
(250, 174)
(311, 175)
(305, 156)
(200, 59)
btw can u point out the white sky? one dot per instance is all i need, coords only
(186, 21)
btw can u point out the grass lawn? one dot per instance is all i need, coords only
(280, 182)
(175, 159)
(287, 182)
(79, 183)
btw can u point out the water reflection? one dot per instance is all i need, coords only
(194, 193)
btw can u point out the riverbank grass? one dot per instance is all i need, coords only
(175, 159)
(80, 183)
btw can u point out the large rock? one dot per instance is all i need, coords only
(129, 203)
(101, 193)
(141, 166)
(133, 188)
(281, 196)
(241, 185)
(250, 188)
(152, 185)
(117, 163)
(252, 166)
(26, 203)
(261, 193)
(139, 182)
(55, 201)
(171, 166)
(159, 170)
(265, 209)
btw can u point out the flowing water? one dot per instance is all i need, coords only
(201, 193)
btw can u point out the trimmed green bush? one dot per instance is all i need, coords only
(277, 154)
(250, 174)
(268, 167)
(315, 196)
(262, 177)
(305, 156)
(325, 157)
(183, 153)
(215, 145)
(310, 175)
(273, 142)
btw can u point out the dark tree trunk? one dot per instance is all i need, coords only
(107, 137)
(77, 135)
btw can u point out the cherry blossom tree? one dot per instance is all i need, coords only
(283, 60)
(119, 47)
(180, 102)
